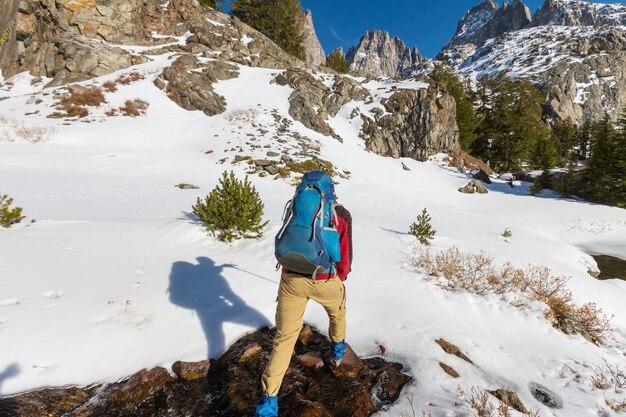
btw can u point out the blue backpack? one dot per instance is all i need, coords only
(308, 242)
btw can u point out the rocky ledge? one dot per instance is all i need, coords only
(229, 386)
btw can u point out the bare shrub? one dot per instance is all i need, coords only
(478, 401)
(242, 116)
(130, 109)
(13, 129)
(75, 104)
(129, 78)
(616, 405)
(110, 86)
(453, 269)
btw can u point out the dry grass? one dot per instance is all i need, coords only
(453, 269)
(75, 104)
(130, 109)
(129, 78)
(11, 129)
(110, 86)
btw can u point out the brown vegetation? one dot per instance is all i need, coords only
(453, 269)
(75, 104)
(461, 159)
(130, 109)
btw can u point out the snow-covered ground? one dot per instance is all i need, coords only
(115, 275)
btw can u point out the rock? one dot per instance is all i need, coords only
(250, 351)
(482, 176)
(140, 104)
(272, 154)
(312, 360)
(452, 350)
(262, 162)
(185, 186)
(379, 55)
(315, 55)
(509, 398)
(418, 124)
(404, 167)
(226, 388)
(350, 366)
(449, 370)
(545, 396)
(579, 13)
(306, 334)
(271, 169)
(474, 186)
(191, 370)
(193, 90)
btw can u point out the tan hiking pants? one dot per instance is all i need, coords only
(293, 293)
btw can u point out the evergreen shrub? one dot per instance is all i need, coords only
(233, 210)
(422, 229)
(9, 216)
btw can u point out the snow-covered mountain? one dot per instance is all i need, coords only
(116, 275)
(573, 50)
(380, 55)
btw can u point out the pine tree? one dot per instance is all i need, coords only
(422, 229)
(602, 173)
(233, 210)
(583, 140)
(564, 135)
(279, 20)
(337, 61)
(465, 116)
(512, 123)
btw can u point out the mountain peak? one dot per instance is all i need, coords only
(381, 55)
(579, 13)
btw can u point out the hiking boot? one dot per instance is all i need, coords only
(267, 406)
(337, 349)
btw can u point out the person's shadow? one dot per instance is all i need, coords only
(202, 288)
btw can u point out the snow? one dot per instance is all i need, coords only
(246, 39)
(96, 288)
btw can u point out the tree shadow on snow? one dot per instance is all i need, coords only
(202, 288)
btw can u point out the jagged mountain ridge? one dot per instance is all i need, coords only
(573, 50)
(380, 55)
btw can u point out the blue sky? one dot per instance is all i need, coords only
(427, 24)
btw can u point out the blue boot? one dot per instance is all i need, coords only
(337, 349)
(267, 406)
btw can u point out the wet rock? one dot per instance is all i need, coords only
(452, 350)
(545, 396)
(191, 370)
(474, 186)
(228, 387)
(449, 370)
(509, 398)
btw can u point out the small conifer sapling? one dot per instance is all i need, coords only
(422, 229)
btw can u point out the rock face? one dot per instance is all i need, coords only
(580, 13)
(229, 387)
(315, 55)
(62, 39)
(189, 83)
(574, 51)
(312, 102)
(416, 124)
(379, 55)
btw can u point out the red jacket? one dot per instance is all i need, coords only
(344, 228)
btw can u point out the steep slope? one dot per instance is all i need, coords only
(574, 51)
(380, 55)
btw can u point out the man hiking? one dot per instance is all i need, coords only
(314, 246)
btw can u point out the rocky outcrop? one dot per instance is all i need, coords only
(315, 55)
(484, 21)
(474, 187)
(416, 124)
(229, 387)
(579, 13)
(379, 55)
(72, 40)
(312, 102)
(189, 83)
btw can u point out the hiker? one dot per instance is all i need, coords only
(314, 246)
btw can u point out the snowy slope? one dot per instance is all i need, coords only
(115, 275)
